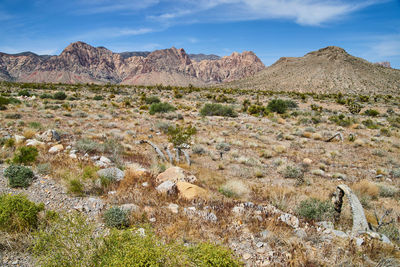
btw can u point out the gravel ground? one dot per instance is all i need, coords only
(55, 197)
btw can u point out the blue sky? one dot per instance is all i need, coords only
(271, 28)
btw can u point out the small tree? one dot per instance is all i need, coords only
(180, 136)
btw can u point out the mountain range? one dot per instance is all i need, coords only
(82, 63)
(328, 70)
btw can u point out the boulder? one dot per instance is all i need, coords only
(167, 187)
(56, 149)
(113, 173)
(35, 143)
(49, 136)
(190, 191)
(19, 139)
(129, 208)
(176, 174)
(174, 208)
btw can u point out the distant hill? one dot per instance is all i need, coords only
(328, 70)
(83, 63)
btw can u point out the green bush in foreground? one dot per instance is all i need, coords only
(71, 241)
(160, 108)
(207, 254)
(315, 209)
(25, 155)
(218, 110)
(67, 241)
(18, 176)
(18, 214)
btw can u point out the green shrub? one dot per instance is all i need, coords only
(60, 95)
(385, 132)
(98, 97)
(25, 155)
(75, 186)
(257, 110)
(278, 106)
(89, 146)
(151, 99)
(24, 93)
(217, 110)
(35, 125)
(67, 241)
(46, 96)
(9, 143)
(44, 168)
(14, 116)
(395, 173)
(370, 124)
(371, 112)
(116, 217)
(341, 120)
(354, 107)
(18, 176)
(293, 172)
(391, 231)
(315, 209)
(207, 254)
(160, 108)
(18, 214)
(180, 135)
(130, 248)
(4, 102)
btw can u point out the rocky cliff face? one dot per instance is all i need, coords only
(80, 62)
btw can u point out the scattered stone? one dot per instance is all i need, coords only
(246, 256)
(280, 149)
(103, 162)
(129, 208)
(49, 136)
(35, 143)
(190, 191)
(19, 139)
(316, 136)
(174, 208)
(339, 175)
(339, 233)
(326, 224)
(307, 161)
(167, 187)
(359, 241)
(318, 172)
(56, 149)
(176, 174)
(300, 233)
(385, 239)
(113, 173)
(290, 220)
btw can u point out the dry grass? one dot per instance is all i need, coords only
(29, 133)
(366, 188)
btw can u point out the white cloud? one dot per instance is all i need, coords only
(111, 33)
(303, 12)
(107, 6)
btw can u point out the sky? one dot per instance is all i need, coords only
(271, 28)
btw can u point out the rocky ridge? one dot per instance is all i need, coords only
(82, 63)
(328, 70)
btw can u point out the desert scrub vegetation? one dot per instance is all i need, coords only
(280, 106)
(25, 155)
(18, 214)
(315, 209)
(212, 109)
(116, 217)
(60, 95)
(161, 107)
(70, 240)
(18, 176)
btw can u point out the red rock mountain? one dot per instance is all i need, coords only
(82, 63)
